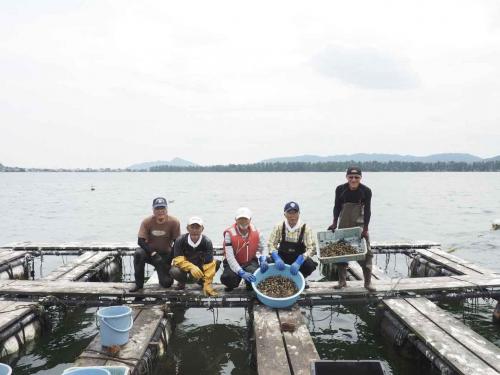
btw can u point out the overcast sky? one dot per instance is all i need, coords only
(111, 83)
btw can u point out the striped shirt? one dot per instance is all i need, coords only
(292, 235)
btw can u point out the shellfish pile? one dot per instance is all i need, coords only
(277, 287)
(339, 248)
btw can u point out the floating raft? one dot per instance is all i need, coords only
(148, 340)
(449, 344)
(13, 264)
(21, 322)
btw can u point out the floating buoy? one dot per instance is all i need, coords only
(496, 224)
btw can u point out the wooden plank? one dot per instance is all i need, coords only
(81, 269)
(11, 312)
(299, 344)
(403, 245)
(145, 325)
(9, 256)
(477, 344)
(271, 353)
(63, 269)
(454, 264)
(446, 347)
(91, 356)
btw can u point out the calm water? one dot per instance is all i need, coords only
(455, 209)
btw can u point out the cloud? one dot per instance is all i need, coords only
(365, 67)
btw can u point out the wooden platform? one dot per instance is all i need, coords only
(452, 263)
(457, 345)
(282, 341)
(387, 288)
(146, 325)
(79, 267)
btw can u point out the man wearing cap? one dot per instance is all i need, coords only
(292, 242)
(243, 245)
(353, 209)
(156, 237)
(194, 258)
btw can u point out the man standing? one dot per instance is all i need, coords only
(292, 242)
(194, 258)
(353, 209)
(156, 237)
(243, 245)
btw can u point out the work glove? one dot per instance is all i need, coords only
(263, 263)
(247, 276)
(364, 233)
(294, 268)
(187, 266)
(280, 265)
(333, 226)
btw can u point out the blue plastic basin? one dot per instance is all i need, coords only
(86, 371)
(5, 369)
(278, 303)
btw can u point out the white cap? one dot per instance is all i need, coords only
(195, 220)
(243, 212)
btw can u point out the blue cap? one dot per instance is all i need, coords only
(291, 206)
(159, 202)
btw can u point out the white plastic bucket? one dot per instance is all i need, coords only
(115, 322)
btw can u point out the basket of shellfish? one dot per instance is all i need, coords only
(342, 246)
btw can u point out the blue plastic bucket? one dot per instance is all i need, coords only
(86, 371)
(5, 369)
(115, 322)
(276, 303)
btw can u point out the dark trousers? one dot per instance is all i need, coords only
(161, 263)
(305, 269)
(231, 279)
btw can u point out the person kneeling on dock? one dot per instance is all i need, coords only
(293, 242)
(194, 258)
(353, 209)
(156, 237)
(243, 244)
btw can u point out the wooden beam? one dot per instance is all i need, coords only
(299, 344)
(271, 353)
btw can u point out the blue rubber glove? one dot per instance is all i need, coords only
(247, 276)
(294, 268)
(280, 265)
(263, 263)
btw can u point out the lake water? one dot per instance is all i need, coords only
(455, 209)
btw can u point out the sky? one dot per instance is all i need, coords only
(112, 83)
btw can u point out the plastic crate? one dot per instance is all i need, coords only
(345, 367)
(350, 235)
(114, 370)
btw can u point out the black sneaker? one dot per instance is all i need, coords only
(135, 288)
(228, 289)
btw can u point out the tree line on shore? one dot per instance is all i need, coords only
(372, 166)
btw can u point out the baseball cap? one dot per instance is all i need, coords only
(291, 206)
(159, 202)
(243, 212)
(353, 170)
(195, 220)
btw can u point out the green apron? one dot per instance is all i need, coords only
(352, 215)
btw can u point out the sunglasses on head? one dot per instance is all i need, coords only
(353, 177)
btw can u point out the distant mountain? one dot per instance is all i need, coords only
(468, 158)
(494, 158)
(175, 162)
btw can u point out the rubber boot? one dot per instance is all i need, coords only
(367, 275)
(342, 277)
